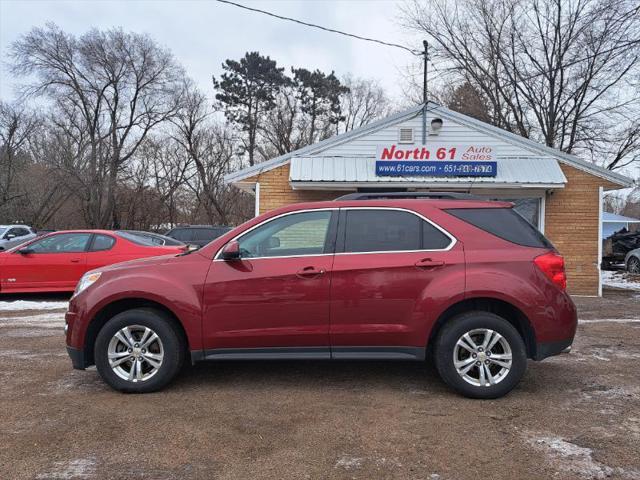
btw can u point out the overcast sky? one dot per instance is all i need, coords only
(202, 34)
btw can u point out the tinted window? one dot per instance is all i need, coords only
(20, 232)
(432, 238)
(528, 207)
(504, 223)
(291, 235)
(62, 243)
(102, 242)
(382, 230)
(182, 234)
(205, 234)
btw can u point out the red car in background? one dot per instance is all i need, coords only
(55, 262)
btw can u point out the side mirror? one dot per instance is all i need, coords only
(25, 251)
(231, 251)
(10, 236)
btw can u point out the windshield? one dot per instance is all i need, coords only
(2, 230)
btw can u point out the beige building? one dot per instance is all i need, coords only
(559, 193)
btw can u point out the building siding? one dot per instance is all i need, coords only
(571, 218)
(451, 133)
(571, 223)
(275, 190)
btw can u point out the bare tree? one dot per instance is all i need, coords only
(112, 88)
(549, 69)
(210, 148)
(282, 131)
(17, 127)
(363, 102)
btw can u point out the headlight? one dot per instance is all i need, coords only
(86, 281)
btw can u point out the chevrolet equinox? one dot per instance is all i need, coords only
(467, 283)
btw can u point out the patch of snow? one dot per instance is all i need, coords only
(78, 468)
(17, 305)
(611, 320)
(571, 457)
(77, 381)
(620, 280)
(349, 463)
(30, 333)
(26, 355)
(43, 320)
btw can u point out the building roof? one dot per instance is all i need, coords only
(543, 172)
(614, 218)
(433, 108)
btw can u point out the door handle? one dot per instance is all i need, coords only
(75, 260)
(427, 263)
(309, 272)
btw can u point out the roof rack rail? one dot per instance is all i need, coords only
(418, 195)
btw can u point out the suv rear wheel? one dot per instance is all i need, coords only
(138, 351)
(480, 355)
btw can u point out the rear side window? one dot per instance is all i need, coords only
(504, 223)
(102, 242)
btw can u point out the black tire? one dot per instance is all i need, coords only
(172, 343)
(633, 265)
(455, 328)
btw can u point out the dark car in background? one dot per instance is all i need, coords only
(198, 235)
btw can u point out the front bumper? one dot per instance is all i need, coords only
(549, 349)
(77, 358)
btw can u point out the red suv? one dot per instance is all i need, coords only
(469, 283)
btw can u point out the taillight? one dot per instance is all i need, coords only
(552, 265)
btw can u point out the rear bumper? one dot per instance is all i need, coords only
(549, 349)
(77, 358)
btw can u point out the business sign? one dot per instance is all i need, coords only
(436, 160)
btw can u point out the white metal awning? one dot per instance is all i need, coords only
(352, 172)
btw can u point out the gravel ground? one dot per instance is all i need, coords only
(574, 416)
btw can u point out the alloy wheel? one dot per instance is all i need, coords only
(634, 265)
(482, 357)
(135, 353)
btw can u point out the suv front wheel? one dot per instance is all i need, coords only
(138, 351)
(480, 355)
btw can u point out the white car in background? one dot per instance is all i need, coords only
(12, 235)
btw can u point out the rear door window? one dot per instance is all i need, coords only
(382, 231)
(432, 238)
(504, 223)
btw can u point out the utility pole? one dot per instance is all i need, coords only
(424, 93)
